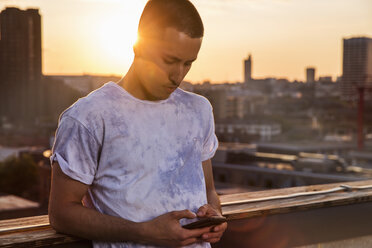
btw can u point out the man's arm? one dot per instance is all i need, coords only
(212, 196)
(68, 215)
(213, 207)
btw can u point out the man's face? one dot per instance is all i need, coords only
(162, 64)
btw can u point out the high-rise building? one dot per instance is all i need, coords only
(248, 69)
(20, 65)
(310, 75)
(356, 67)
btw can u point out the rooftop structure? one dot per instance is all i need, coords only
(356, 67)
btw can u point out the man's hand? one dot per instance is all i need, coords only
(215, 233)
(166, 230)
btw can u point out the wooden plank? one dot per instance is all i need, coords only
(24, 224)
(293, 204)
(341, 188)
(286, 191)
(36, 231)
(41, 238)
(248, 210)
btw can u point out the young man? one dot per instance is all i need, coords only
(131, 161)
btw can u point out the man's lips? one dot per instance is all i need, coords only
(171, 88)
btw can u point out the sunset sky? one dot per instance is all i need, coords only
(283, 36)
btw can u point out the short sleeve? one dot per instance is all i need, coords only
(76, 150)
(210, 143)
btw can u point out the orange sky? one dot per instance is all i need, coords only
(283, 36)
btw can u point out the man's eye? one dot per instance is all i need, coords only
(169, 62)
(188, 64)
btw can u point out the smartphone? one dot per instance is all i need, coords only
(204, 222)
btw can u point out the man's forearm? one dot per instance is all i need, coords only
(214, 200)
(90, 224)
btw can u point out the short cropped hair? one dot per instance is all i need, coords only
(161, 14)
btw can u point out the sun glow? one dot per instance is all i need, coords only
(117, 37)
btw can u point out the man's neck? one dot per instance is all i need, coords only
(131, 84)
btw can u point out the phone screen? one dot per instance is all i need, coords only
(204, 222)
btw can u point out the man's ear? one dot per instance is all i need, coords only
(137, 49)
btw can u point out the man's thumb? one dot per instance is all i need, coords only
(184, 214)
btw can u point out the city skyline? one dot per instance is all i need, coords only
(280, 36)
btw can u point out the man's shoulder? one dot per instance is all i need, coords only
(193, 98)
(91, 106)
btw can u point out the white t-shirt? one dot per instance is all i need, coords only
(141, 158)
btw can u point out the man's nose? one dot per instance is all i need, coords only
(176, 76)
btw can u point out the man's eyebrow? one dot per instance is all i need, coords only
(176, 58)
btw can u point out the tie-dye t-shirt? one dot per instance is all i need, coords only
(141, 158)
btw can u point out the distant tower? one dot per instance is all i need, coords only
(20, 64)
(356, 67)
(248, 69)
(310, 75)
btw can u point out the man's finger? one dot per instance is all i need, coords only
(211, 235)
(213, 240)
(189, 241)
(183, 214)
(202, 210)
(207, 211)
(221, 227)
(195, 233)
